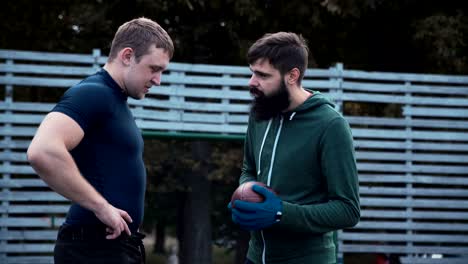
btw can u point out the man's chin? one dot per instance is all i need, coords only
(267, 110)
(138, 97)
(260, 112)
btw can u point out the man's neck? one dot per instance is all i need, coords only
(114, 73)
(297, 97)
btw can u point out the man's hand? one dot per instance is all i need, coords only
(115, 220)
(256, 216)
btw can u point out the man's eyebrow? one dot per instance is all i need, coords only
(157, 67)
(259, 72)
(262, 73)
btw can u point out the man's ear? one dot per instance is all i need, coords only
(125, 56)
(292, 76)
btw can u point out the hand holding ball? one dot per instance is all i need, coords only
(254, 206)
(245, 193)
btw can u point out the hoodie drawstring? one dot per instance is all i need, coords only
(274, 151)
(292, 116)
(261, 148)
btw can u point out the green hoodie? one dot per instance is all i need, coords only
(307, 157)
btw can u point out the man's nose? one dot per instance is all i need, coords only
(253, 81)
(156, 79)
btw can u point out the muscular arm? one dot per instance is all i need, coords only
(49, 155)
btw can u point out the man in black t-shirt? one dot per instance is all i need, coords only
(89, 149)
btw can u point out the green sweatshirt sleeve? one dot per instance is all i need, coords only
(339, 168)
(248, 166)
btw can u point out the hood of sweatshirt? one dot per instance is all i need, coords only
(314, 101)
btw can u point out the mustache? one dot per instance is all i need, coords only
(255, 91)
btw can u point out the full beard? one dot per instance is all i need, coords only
(265, 107)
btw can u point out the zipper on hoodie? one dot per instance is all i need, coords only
(270, 171)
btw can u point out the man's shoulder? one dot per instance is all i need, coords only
(91, 93)
(92, 81)
(322, 114)
(93, 84)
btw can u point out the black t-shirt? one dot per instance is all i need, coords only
(110, 156)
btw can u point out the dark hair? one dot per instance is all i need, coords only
(284, 51)
(139, 34)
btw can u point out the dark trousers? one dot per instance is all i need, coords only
(88, 245)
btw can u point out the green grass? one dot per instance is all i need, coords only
(220, 256)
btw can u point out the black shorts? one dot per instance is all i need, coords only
(76, 245)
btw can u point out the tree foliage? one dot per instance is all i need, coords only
(399, 35)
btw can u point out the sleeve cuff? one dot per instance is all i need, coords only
(287, 218)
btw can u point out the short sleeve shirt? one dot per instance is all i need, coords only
(110, 156)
